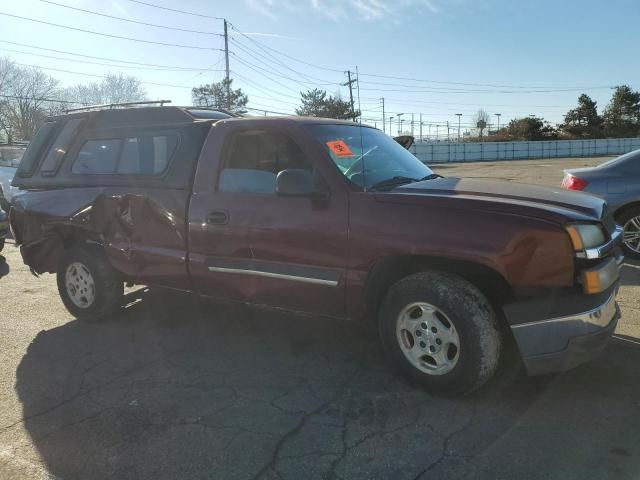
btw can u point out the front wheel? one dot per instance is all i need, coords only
(87, 284)
(441, 333)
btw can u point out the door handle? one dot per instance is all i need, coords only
(217, 218)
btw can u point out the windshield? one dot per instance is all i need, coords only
(367, 156)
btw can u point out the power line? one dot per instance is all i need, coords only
(98, 76)
(107, 34)
(259, 73)
(411, 101)
(497, 86)
(479, 91)
(265, 51)
(86, 62)
(288, 56)
(129, 20)
(263, 88)
(463, 83)
(547, 89)
(249, 52)
(100, 58)
(40, 99)
(176, 10)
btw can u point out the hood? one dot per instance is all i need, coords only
(511, 197)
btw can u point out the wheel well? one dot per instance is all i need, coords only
(618, 213)
(46, 256)
(392, 269)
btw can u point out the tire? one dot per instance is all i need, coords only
(445, 309)
(2, 241)
(631, 248)
(98, 289)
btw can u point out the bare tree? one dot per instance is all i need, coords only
(25, 99)
(481, 121)
(113, 89)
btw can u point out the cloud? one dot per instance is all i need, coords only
(368, 10)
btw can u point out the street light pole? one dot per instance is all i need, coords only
(458, 115)
(498, 115)
(399, 123)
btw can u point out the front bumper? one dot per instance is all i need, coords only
(559, 343)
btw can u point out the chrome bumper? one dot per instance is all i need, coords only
(561, 343)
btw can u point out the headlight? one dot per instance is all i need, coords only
(585, 235)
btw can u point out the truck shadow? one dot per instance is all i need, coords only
(176, 387)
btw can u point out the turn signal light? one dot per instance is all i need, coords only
(571, 182)
(591, 282)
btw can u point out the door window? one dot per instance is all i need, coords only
(255, 158)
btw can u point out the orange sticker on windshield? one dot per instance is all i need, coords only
(339, 148)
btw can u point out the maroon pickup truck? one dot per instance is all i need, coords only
(324, 217)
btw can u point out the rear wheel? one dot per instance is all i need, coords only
(630, 220)
(440, 332)
(87, 284)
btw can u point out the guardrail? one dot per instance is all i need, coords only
(492, 151)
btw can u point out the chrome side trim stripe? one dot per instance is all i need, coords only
(599, 316)
(281, 276)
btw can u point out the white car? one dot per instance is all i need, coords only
(9, 160)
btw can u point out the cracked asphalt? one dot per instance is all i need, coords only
(175, 387)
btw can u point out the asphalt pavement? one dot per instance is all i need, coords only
(175, 387)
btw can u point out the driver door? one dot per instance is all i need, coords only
(294, 248)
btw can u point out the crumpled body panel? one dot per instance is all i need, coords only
(143, 232)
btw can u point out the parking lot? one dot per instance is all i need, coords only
(179, 387)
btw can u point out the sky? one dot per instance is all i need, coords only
(433, 58)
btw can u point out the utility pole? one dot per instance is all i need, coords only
(391, 117)
(383, 119)
(412, 124)
(399, 123)
(350, 85)
(437, 136)
(458, 115)
(420, 127)
(498, 115)
(448, 138)
(226, 58)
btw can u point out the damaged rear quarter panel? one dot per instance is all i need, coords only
(142, 230)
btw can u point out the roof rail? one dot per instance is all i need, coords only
(213, 109)
(109, 106)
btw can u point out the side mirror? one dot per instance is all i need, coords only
(405, 140)
(294, 182)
